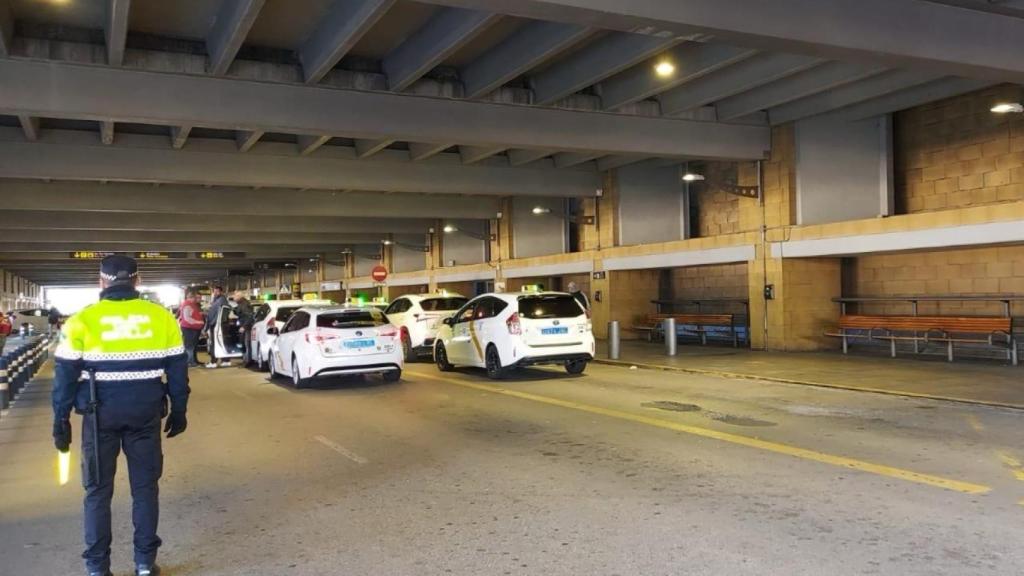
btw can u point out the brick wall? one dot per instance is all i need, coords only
(976, 272)
(956, 153)
(630, 293)
(711, 282)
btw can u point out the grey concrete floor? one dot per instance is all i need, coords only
(618, 472)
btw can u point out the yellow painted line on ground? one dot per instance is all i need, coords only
(797, 452)
(1009, 460)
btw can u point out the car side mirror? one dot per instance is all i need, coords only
(449, 321)
(273, 331)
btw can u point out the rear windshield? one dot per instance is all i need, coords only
(353, 319)
(285, 312)
(556, 306)
(442, 304)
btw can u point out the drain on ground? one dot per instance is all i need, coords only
(672, 406)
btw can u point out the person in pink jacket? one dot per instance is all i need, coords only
(192, 321)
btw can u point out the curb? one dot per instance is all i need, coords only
(777, 380)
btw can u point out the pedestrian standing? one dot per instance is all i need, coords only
(111, 367)
(53, 321)
(243, 310)
(6, 327)
(580, 296)
(191, 320)
(212, 325)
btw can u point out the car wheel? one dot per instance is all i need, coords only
(392, 375)
(273, 369)
(261, 364)
(575, 366)
(441, 358)
(297, 379)
(493, 362)
(407, 351)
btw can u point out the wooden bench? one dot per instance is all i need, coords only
(949, 330)
(653, 323)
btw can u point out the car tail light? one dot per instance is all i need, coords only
(319, 337)
(514, 327)
(388, 331)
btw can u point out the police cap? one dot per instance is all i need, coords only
(119, 269)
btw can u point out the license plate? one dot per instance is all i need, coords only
(551, 331)
(359, 343)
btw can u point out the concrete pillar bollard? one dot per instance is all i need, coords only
(614, 340)
(669, 326)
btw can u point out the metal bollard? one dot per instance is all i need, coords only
(614, 340)
(669, 326)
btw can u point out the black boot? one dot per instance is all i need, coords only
(147, 570)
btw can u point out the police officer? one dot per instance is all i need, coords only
(126, 347)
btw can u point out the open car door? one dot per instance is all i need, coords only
(226, 339)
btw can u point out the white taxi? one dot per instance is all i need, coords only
(273, 314)
(418, 316)
(333, 341)
(503, 331)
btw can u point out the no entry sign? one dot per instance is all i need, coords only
(379, 274)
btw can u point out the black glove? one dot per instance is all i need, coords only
(176, 424)
(62, 435)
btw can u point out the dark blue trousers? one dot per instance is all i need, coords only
(137, 433)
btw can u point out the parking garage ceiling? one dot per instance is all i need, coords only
(293, 128)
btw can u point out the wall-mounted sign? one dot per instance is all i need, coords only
(219, 255)
(600, 275)
(159, 255)
(89, 255)
(241, 272)
(330, 286)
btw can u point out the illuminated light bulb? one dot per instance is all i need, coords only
(690, 177)
(665, 68)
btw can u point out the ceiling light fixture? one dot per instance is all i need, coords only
(1008, 107)
(541, 210)
(665, 68)
(387, 242)
(448, 229)
(691, 177)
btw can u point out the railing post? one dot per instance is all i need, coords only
(669, 325)
(614, 340)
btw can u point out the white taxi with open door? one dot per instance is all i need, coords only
(504, 331)
(226, 338)
(318, 342)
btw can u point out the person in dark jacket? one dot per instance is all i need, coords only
(580, 297)
(244, 312)
(118, 362)
(53, 320)
(212, 320)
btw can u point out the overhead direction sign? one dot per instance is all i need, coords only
(89, 255)
(219, 255)
(160, 255)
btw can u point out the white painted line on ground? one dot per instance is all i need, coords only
(341, 450)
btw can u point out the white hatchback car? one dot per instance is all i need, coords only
(333, 341)
(418, 316)
(500, 332)
(273, 314)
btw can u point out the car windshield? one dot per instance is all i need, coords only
(442, 304)
(349, 319)
(285, 312)
(552, 306)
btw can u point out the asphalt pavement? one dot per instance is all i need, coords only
(617, 472)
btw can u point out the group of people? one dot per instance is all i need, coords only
(194, 323)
